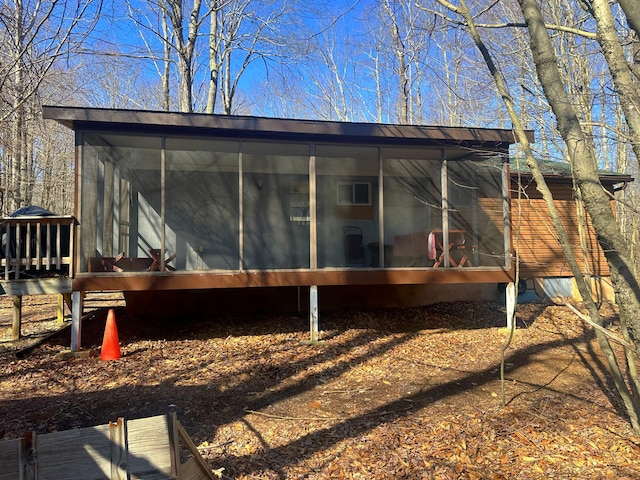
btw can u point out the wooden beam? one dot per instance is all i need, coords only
(28, 457)
(174, 441)
(60, 308)
(37, 286)
(141, 281)
(118, 443)
(17, 317)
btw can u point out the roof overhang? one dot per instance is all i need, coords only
(79, 118)
(614, 181)
(605, 178)
(560, 173)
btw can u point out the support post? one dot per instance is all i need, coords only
(77, 301)
(17, 317)
(60, 309)
(510, 297)
(313, 312)
(28, 456)
(118, 443)
(174, 441)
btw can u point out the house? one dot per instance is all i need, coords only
(541, 259)
(204, 213)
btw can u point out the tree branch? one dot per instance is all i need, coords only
(550, 26)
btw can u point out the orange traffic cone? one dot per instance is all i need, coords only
(110, 342)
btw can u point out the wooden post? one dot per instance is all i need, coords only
(77, 301)
(119, 464)
(60, 309)
(174, 441)
(28, 458)
(17, 317)
(7, 249)
(313, 312)
(510, 296)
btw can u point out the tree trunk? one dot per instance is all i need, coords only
(631, 9)
(620, 72)
(582, 155)
(543, 52)
(185, 48)
(214, 65)
(399, 51)
(166, 61)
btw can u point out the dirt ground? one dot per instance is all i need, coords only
(404, 393)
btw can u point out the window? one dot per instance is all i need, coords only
(354, 193)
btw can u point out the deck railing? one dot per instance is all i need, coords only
(35, 247)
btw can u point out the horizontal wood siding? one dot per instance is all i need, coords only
(491, 230)
(539, 248)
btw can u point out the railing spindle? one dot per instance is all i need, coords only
(47, 254)
(58, 246)
(48, 246)
(38, 245)
(28, 246)
(7, 238)
(18, 251)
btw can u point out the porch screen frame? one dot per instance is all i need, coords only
(314, 261)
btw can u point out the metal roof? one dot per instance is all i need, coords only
(562, 171)
(80, 118)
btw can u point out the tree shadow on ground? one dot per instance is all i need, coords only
(259, 383)
(440, 316)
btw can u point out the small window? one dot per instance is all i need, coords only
(354, 193)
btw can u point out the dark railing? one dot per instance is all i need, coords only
(36, 247)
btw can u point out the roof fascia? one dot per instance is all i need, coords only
(79, 118)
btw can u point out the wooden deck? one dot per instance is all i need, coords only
(36, 258)
(146, 448)
(39, 252)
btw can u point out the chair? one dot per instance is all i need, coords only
(353, 245)
(456, 248)
(156, 265)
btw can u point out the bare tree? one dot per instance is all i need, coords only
(248, 31)
(184, 45)
(405, 35)
(35, 35)
(210, 45)
(581, 152)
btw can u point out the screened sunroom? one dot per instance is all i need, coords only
(208, 201)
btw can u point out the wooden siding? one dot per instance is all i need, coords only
(491, 230)
(540, 251)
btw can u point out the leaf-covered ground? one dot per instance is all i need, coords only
(404, 393)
